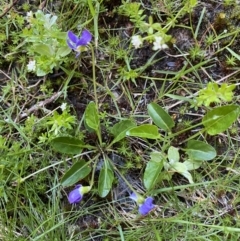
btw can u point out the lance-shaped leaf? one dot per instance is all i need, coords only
(200, 151)
(119, 130)
(67, 145)
(92, 117)
(105, 181)
(144, 131)
(153, 170)
(220, 118)
(160, 117)
(78, 171)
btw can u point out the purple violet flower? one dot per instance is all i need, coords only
(145, 205)
(79, 44)
(76, 195)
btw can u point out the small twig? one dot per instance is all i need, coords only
(5, 74)
(36, 84)
(8, 9)
(40, 105)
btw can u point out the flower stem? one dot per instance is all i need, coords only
(95, 161)
(94, 75)
(95, 90)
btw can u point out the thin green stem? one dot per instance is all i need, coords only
(94, 75)
(95, 90)
(94, 169)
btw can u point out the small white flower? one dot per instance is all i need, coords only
(63, 106)
(31, 66)
(164, 46)
(136, 41)
(29, 16)
(159, 44)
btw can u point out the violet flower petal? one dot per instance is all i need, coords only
(147, 206)
(71, 45)
(75, 196)
(72, 37)
(72, 40)
(85, 38)
(133, 196)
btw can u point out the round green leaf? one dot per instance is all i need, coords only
(200, 151)
(192, 165)
(173, 154)
(78, 171)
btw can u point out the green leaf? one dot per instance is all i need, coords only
(179, 97)
(153, 170)
(226, 92)
(237, 56)
(214, 93)
(173, 155)
(192, 165)
(119, 130)
(187, 175)
(160, 117)
(91, 116)
(200, 151)
(192, 3)
(78, 171)
(181, 168)
(50, 21)
(67, 145)
(63, 51)
(220, 118)
(41, 72)
(144, 131)
(43, 49)
(105, 181)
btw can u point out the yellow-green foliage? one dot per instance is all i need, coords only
(215, 94)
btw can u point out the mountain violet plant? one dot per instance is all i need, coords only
(160, 166)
